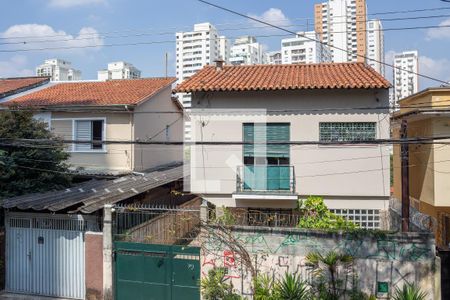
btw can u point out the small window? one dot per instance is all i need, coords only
(89, 130)
(347, 132)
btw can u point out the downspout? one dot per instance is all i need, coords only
(132, 138)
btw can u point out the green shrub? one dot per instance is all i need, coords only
(409, 292)
(292, 287)
(215, 286)
(317, 216)
(264, 287)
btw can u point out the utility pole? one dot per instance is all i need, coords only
(404, 153)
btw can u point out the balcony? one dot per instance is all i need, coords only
(271, 182)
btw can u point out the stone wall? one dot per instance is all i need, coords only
(389, 258)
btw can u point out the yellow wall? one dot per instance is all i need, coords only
(117, 157)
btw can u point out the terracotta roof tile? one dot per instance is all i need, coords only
(284, 77)
(113, 92)
(10, 86)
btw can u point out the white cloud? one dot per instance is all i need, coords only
(273, 16)
(51, 38)
(72, 3)
(440, 33)
(436, 68)
(15, 67)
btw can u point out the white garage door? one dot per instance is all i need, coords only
(45, 255)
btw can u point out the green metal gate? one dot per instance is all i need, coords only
(156, 272)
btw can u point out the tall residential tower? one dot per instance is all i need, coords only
(375, 46)
(302, 49)
(406, 80)
(342, 24)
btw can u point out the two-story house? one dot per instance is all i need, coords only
(265, 136)
(427, 115)
(118, 111)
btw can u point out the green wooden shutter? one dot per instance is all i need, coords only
(278, 133)
(271, 132)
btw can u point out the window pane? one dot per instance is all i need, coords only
(97, 134)
(347, 132)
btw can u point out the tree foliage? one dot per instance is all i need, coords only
(316, 215)
(24, 166)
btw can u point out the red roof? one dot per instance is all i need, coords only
(284, 77)
(113, 92)
(10, 86)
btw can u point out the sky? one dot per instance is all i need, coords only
(98, 24)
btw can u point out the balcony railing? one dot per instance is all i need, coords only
(265, 178)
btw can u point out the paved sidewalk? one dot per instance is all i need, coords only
(8, 296)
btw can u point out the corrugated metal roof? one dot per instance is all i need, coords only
(92, 195)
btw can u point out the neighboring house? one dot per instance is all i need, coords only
(117, 110)
(287, 103)
(16, 85)
(427, 115)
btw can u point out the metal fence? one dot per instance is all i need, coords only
(157, 224)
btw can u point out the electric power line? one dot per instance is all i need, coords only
(97, 36)
(319, 41)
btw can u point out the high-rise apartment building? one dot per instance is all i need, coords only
(342, 24)
(247, 51)
(58, 70)
(195, 49)
(406, 80)
(273, 58)
(375, 45)
(304, 49)
(224, 49)
(119, 70)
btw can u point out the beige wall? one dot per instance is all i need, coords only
(429, 164)
(152, 126)
(146, 122)
(429, 172)
(116, 157)
(356, 175)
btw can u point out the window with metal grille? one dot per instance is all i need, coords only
(347, 131)
(364, 218)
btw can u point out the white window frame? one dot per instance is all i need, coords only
(103, 150)
(72, 148)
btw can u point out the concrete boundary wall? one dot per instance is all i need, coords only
(389, 258)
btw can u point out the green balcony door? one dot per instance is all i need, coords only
(266, 166)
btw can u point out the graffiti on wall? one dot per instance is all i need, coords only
(400, 259)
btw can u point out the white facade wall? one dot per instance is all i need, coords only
(303, 50)
(273, 58)
(348, 177)
(224, 49)
(58, 70)
(406, 80)
(375, 45)
(247, 51)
